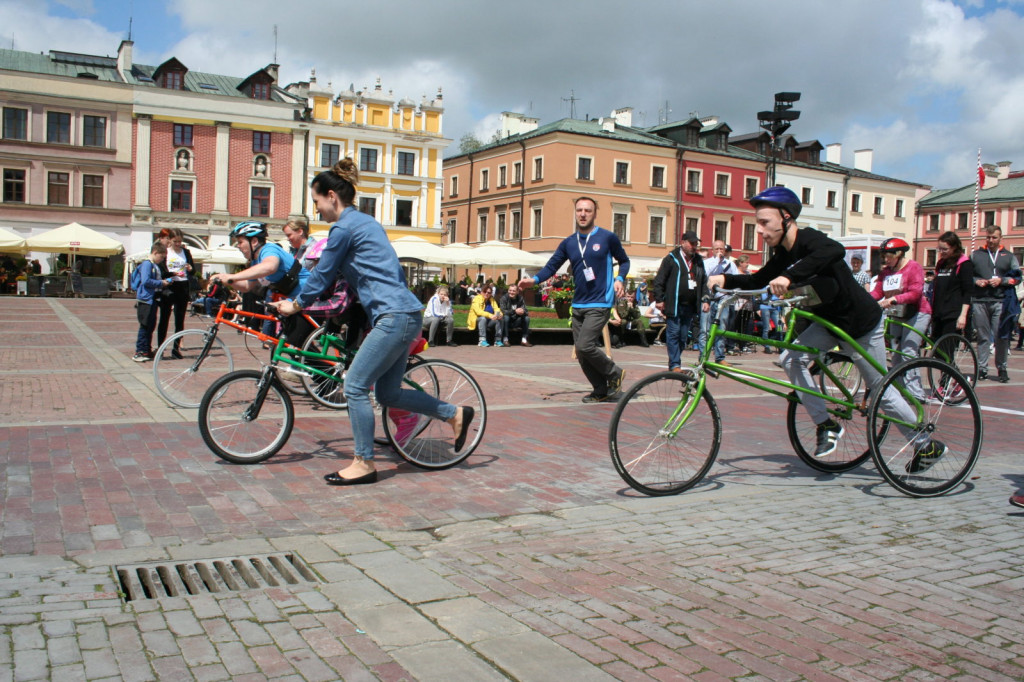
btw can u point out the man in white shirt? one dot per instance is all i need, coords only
(717, 264)
(438, 312)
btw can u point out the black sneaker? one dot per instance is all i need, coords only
(926, 456)
(176, 354)
(593, 398)
(1004, 377)
(982, 374)
(829, 434)
(615, 385)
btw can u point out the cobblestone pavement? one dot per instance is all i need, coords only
(532, 561)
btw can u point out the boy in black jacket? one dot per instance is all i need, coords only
(798, 254)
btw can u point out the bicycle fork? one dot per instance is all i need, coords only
(252, 412)
(211, 336)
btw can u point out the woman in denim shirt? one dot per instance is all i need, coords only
(358, 250)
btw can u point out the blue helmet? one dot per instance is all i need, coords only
(781, 198)
(250, 228)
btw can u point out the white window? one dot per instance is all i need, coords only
(657, 176)
(750, 186)
(878, 206)
(502, 176)
(454, 186)
(693, 181)
(806, 197)
(584, 168)
(501, 227)
(517, 225)
(484, 179)
(621, 172)
(538, 168)
(536, 223)
(517, 173)
(481, 229)
(620, 225)
(656, 234)
(899, 208)
(722, 181)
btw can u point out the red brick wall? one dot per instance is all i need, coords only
(161, 163)
(241, 170)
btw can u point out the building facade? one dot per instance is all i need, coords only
(1000, 202)
(65, 144)
(397, 147)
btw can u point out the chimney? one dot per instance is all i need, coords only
(272, 69)
(1004, 169)
(124, 59)
(623, 116)
(834, 153)
(517, 124)
(991, 176)
(862, 159)
(607, 124)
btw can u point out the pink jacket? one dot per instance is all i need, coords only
(907, 284)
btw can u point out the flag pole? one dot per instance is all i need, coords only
(977, 191)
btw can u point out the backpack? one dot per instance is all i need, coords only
(137, 277)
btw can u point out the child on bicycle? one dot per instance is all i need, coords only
(797, 255)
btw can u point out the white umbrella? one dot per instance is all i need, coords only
(459, 253)
(498, 253)
(417, 248)
(223, 255)
(11, 243)
(74, 239)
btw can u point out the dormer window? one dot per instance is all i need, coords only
(172, 80)
(257, 86)
(261, 90)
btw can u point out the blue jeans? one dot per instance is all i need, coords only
(380, 364)
(706, 320)
(146, 315)
(769, 314)
(676, 331)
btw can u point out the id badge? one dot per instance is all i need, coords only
(692, 283)
(588, 274)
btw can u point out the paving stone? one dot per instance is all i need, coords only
(444, 661)
(471, 620)
(404, 578)
(395, 625)
(528, 655)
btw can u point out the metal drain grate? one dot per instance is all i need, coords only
(155, 581)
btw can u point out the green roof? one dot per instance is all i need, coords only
(67, 64)
(1008, 189)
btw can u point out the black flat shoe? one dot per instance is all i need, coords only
(467, 419)
(334, 479)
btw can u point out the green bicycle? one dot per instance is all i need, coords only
(247, 416)
(666, 430)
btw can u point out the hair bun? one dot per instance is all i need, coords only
(346, 169)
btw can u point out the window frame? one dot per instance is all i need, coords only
(182, 189)
(89, 191)
(481, 227)
(261, 142)
(65, 129)
(261, 209)
(517, 173)
(405, 162)
(624, 216)
(53, 181)
(719, 178)
(502, 176)
(963, 221)
(325, 161)
(747, 191)
(878, 206)
(655, 167)
(537, 221)
(412, 212)
(538, 168)
(485, 179)
(855, 206)
(749, 236)
(589, 161)
(12, 183)
(501, 223)
(25, 122)
(661, 229)
(367, 152)
(622, 173)
(831, 198)
(453, 186)
(807, 196)
(697, 187)
(934, 221)
(86, 128)
(182, 135)
(720, 230)
(363, 201)
(517, 225)
(900, 211)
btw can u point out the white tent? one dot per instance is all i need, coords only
(417, 248)
(74, 239)
(503, 254)
(11, 243)
(223, 255)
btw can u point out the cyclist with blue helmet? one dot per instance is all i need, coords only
(799, 254)
(270, 266)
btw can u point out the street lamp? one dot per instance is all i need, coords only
(777, 122)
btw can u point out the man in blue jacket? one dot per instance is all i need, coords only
(592, 253)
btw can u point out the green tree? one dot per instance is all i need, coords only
(469, 143)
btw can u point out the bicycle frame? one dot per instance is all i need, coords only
(707, 366)
(214, 329)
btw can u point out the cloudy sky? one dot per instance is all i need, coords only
(925, 83)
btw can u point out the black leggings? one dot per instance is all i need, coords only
(175, 297)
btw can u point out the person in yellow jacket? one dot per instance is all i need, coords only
(485, 314)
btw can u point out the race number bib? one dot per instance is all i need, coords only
(893, 283)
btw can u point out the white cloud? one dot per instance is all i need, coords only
(30, 28)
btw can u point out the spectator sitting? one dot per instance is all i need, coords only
(513, 309)
(625, 316)
(485, 314)
(211, 300)
(438, 312)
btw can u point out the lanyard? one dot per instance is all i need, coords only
(583, 248)
(993, 259)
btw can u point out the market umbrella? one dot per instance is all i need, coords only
(11, 243)
(223, 255)
(75, 239)
(417, 248)
(498, 253)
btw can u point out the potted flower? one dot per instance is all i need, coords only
(562, 299)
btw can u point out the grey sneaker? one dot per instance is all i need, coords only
(615, 385)
(829, 434)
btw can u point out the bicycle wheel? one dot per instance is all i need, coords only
(429, 443)
(957, 428)
(380, 436)
(326, 392)
(953, 349)
(231, 432)
(656, 448)
(852, 449)
(183, 382)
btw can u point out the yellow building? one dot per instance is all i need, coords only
(397, 147)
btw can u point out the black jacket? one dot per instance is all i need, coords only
(508, 305)
(814, 254)
(672, 283)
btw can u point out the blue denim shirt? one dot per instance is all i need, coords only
(358, 250)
